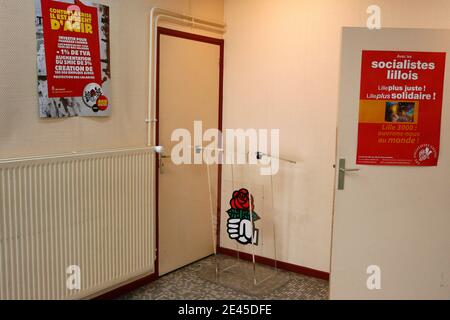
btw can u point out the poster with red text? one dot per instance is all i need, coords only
(400, 108)
(73, 59)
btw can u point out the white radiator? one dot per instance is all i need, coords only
(90, 210)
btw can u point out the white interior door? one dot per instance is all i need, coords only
(396, 218)
(189, 91)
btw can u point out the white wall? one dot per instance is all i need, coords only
(22, 133)
(281, 71)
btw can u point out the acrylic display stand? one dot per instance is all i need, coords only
(248, 277)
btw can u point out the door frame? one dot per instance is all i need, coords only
(204, 39)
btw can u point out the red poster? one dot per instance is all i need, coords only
(400, 108)
(72, 48)
(73, 58)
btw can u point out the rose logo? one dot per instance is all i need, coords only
(241, 223)
(425, 153)
(241, 201)
(91, 93)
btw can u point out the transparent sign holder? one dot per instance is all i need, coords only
(249, 277)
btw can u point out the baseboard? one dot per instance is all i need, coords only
(126, 288)
(280, 264)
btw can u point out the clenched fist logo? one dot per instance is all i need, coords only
(240, 226)
(242, 231)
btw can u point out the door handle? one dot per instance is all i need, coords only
(342, 171)
(349, 170)
(159, 150)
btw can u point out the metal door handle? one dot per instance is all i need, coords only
(349, 170)
(158, 149)
(342, 171)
